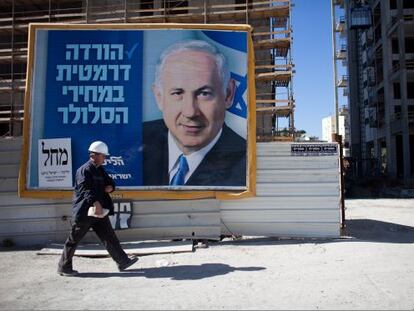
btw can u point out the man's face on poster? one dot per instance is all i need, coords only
(192, 98)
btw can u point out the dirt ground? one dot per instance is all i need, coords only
(371, 267)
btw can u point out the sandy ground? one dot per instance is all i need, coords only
(372, 268)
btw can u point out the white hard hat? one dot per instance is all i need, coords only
(99, 147)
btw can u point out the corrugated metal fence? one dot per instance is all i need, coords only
(296, 197)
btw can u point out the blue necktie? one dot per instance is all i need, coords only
(179, 177)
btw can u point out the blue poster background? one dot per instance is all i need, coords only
(94, 92)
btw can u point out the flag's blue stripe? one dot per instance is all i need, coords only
(233, 39)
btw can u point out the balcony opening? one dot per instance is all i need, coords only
(395, 48)
(397, 111)
(412, 154)
(377, 15)
(397, 91)
(241, 4)
(399, 155)
(174, 7)
(410, 90)
(409, 45)
(408, 4)
(147, 8)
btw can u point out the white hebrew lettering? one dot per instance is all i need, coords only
(101, 73)
(85, 48)
(92, 72)
(124, 111)
(94, 115)
(69, 49)
(85, 72)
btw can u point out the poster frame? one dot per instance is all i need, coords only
(250, 191)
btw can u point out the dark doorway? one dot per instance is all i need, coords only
(399, 155)
(412, 154)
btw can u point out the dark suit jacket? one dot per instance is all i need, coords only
(224, 165)
(90, 183)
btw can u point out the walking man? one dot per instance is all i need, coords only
(92, 188)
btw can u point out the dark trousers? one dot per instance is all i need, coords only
(103, 229)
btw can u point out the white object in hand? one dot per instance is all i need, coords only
(92, 212)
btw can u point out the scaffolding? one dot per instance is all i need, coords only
(272, 42)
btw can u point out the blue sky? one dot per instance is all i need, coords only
(312, 56)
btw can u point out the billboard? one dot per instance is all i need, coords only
(174, 103)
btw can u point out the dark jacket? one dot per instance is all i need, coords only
(224, 165)
(90, 183)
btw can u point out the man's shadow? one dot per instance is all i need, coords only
(179, 273)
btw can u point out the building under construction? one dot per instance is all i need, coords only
(271, 36)
(378, 51)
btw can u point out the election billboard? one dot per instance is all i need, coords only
(174, 103)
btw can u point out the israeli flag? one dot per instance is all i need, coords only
(233, 44)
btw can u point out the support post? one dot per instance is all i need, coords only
(338, 138)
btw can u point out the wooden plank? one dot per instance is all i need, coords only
(272, 44)
(9, 170)
(176, 220)
(298, 176)
(271, 138)
(285, 67)
(281, 202)
(8, 184)
(274, 75)
(273, 101)
(12, 200)
(32, 212)
(35, 238)
(175, 206)
(279, 113)
(302, 230)
(9, 157)
(298, 189)
(259, 216)
(131, 248)
(297, 163)
(269, 33)
(197, 232)
(45, 226)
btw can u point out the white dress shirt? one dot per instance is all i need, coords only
(193, 159)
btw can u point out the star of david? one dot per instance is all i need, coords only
(239, 106)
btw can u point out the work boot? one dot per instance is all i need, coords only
(67, 272)
(127, 264)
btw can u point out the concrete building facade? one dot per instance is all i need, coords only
(329, 126)
(380, 61)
